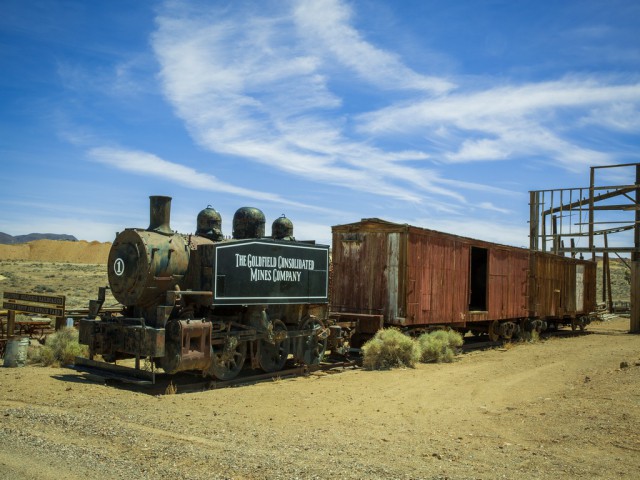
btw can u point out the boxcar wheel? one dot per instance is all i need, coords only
(577, 323)
(494, 331)
(525, 330)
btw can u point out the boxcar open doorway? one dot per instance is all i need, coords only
(478, 279)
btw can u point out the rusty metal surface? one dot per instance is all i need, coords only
(121, 336)
(188, 346)
(143, 265)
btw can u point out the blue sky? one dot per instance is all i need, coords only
(440, 114)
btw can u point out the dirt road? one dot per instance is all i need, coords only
(557, 409)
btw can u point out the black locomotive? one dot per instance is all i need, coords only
(203, 303)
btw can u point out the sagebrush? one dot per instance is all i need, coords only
(390, 348)
(60, 348)
(439, 346)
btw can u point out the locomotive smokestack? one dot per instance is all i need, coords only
(160, 214)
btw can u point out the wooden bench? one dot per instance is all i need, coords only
(33, 328)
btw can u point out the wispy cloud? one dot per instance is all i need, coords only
(325, 27)
(619, 116)
(124, 79)
(258, 87)
(507, 122)
(147, 164)
(261, 85)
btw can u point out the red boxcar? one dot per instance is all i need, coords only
(393, 274)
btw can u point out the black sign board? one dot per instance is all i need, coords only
(40, 310)
(264, 272)
(52, 305)
(35, 298)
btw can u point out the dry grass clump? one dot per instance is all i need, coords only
(171, 389)
(390, 348)
(60, 348)
(439, 346)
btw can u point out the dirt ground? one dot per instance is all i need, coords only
(562, 408)
(556, 409)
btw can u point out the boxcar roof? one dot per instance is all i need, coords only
(382, 226)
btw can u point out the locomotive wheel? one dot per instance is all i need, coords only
(315, 345)
(227, 360)
(272, 356)
(494, 329)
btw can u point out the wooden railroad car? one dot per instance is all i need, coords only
(389, 274)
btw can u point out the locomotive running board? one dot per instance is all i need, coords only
(115, 372)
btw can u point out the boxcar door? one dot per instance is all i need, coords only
(579, 288)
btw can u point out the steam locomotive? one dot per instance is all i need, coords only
(204, 303)
(200, 302)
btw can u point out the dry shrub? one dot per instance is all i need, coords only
(60, 348)
(390, 348)
(439, 346)
(171, 389)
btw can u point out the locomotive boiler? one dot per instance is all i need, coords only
(202, 303)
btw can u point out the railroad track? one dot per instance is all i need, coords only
(480, 343)
(189, 383)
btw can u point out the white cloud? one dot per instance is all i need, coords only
(260, 84)
(617, 116)
(257, 86)
(326, 26)
(508, 122)
(490, 206)
(151, 165)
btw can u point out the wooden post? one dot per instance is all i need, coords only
(534, 218)
(554, 233)
(635, 264)
(607, 294)
(11, 323)
(591, 217)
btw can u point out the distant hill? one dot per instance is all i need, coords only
(6, 239)
(80, 251)
(620, 280)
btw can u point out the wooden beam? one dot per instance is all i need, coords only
(586, 201)
(635, 265)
